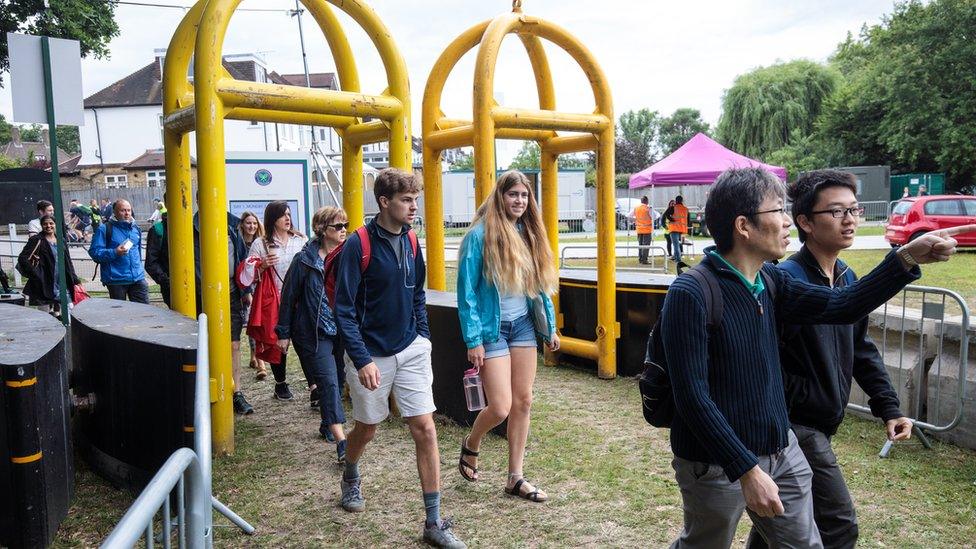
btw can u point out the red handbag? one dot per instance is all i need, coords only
(79, 294)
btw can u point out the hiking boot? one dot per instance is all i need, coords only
(441, 535)
(352, 495)
(282, 392)
(341, 451)
(241, 405)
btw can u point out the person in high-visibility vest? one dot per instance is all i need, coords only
(678, 227)
(644, 222)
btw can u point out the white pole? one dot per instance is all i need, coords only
(13, 236)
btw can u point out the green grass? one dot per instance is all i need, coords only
(607, 472)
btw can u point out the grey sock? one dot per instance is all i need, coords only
(432, 505)
(351, 472)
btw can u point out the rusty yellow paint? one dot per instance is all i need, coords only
(590, 132)
(213, 96)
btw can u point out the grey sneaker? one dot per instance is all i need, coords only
(352, 495)
(441, 535)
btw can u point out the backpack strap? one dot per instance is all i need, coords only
(770, 283)
(711, 291)
(366, 246)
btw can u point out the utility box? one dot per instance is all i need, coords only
(873, 182)
(36, 457)
(934, 184)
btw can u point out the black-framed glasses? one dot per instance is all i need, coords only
(840, 213)
(339, 226)
(777, 210)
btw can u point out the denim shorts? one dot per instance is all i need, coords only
(517, 333)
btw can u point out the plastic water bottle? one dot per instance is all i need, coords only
(474, 392)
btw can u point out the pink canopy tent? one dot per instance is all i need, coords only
(697, 162)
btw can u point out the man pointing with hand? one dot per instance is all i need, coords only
(731, 436)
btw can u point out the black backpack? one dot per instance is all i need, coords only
(657, 396)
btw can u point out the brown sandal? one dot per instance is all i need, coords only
(462, 465)
(534, 496)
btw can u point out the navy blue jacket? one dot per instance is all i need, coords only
(820, 360)
(728, 384)
(381, 311)
(304, 315)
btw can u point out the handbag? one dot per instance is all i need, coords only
(79, 294)
(33, 258)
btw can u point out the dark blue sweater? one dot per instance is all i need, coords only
(381, 311)
(728, 386)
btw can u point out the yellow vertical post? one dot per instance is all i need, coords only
(179, 222)
(352, 183)
(607, 327)
(434, 219)
(211, 173)
(548, 166)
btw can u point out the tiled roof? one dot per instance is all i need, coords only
(144, 87)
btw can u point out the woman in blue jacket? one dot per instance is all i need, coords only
(505, 277)
(306, 319)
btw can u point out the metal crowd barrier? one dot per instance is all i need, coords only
(654, 252)
(927, 371)
(190, 473)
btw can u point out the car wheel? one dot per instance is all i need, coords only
(916, 235)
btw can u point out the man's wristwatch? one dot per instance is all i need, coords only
(907, 257)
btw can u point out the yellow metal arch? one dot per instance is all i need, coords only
(213, 96)
(490, 121)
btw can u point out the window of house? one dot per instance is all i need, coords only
(116, 181)
(156, 178)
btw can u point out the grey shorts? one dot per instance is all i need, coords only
(407, 374)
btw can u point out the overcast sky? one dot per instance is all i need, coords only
(660, 55)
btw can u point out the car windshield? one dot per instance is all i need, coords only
(902, 207)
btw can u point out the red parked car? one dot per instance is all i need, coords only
(915, 216)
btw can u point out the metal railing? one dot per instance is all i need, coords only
(654, 252)
(574, 219)
(187, 471)
(929, 372)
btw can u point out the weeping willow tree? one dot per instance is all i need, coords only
(768, 108)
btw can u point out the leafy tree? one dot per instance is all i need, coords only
(765, 108)
(909, 97)
(802, 154)
(4, 130)
(69, 140)
(463, 162)
(91, 22)
(529, 158)
(31, 133)
(677, 129)
(7, 163)
(636, 134)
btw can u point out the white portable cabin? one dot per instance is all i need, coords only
(459, 206)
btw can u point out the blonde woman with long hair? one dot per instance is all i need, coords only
(506, 274)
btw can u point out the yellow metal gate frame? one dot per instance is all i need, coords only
(213, 96)
(594, 132)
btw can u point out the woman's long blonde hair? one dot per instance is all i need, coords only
(240, 227)
(516, 262)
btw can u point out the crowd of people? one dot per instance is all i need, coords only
(675, 222)
(759, 389)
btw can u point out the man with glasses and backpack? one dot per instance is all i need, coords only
(730, 431)
(820, 361)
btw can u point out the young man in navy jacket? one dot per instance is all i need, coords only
(381, 314)
(820, 361)
(734, 449)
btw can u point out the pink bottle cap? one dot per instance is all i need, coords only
(471, 372)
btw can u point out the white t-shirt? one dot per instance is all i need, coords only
(33, 227)
(286, 252)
